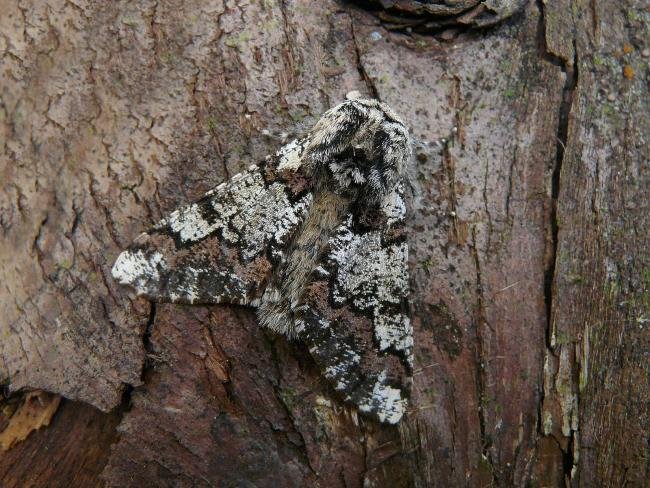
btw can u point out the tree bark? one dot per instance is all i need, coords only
(528, 237)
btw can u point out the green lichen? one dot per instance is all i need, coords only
(211, 122)
(575, 279)
(130, 21)
(547, 422)
(612, 288)
(426, 265)
(562, 338)
(505, 65)
(288, 397)
(633, 15)
(608, 110)
(238, 40)
(168, 57)
(297, 115)
(510, 92)
(645, 276)
(64, 264)
(324, 418)
(270, 25)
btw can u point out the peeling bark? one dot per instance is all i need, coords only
(528, 238)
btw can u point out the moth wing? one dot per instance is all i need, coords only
(222, 248)
(354, 314)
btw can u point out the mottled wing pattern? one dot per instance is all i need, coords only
(354, 314)
(222, 248)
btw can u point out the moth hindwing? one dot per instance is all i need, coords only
(314, 238)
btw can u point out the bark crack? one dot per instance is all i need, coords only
(146, 340)
(370, 85)
(486, 207)
(481, 380)
(289, 54)
(570, 68)
(127, 395)
(300, 450)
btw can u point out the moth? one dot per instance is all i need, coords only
(314, 238)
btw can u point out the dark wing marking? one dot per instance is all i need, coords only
(354, 314)
(223, 247)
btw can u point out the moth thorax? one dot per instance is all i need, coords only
(362, 172)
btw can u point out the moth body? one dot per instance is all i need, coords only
(287, 285)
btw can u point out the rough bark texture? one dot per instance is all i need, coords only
(528, 233)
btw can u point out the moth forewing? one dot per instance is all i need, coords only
(222, 248)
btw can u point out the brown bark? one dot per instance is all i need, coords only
(528, 238)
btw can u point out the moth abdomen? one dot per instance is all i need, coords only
(301, 258)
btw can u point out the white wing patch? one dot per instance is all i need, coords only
(138, 269)
(387, 402)
(291, 155)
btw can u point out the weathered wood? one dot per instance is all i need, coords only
(528, 234)
(72, 451)
(597, 369)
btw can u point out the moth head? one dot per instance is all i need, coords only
(362, 147)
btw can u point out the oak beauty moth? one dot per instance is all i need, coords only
(314, 238)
